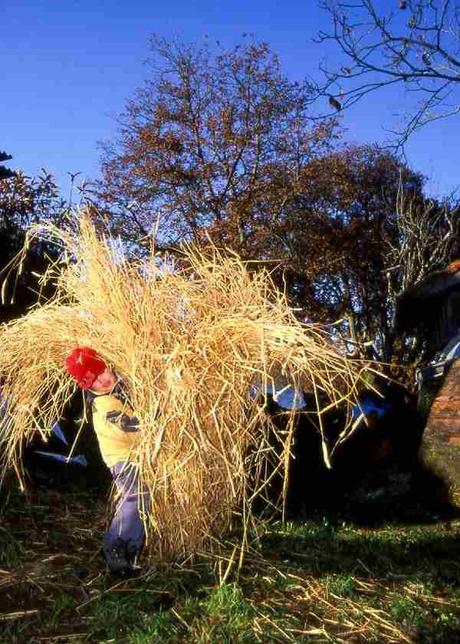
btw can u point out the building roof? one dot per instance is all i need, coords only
(412, 306)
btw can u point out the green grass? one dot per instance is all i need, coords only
(11, 550)
(311, 582)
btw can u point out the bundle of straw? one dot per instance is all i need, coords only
(189, 344)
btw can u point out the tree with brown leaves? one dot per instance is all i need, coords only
(222, 147)
(369, 234)
(213, 144)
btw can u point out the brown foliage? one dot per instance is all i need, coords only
(374, 235)
(213, 145)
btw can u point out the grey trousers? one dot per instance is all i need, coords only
(126, 529)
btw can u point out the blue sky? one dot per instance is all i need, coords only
(68, 68)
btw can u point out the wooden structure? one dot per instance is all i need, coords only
(441, 442)
(433, 308)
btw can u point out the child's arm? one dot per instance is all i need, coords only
(123, 421)
(114, 411)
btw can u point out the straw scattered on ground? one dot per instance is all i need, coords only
(315, 582)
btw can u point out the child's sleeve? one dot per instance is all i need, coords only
(123, 421)
(114, 411)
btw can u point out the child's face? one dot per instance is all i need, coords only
(104, 383)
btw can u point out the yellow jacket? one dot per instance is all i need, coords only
(115, 443)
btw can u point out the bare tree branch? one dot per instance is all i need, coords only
(418, 48)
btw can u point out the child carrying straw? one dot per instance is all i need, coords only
(190, 343)
(117, 431)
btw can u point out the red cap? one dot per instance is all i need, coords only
(85, 365)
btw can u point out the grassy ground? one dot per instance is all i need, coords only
(311, 582)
